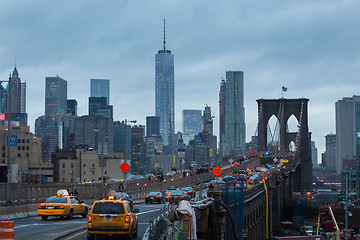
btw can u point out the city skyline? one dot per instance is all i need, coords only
(310, 48)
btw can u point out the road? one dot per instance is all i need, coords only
(54, 228)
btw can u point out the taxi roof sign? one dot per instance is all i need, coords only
(62, 192)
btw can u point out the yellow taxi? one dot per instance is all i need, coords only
(110, 216)
(62, 205)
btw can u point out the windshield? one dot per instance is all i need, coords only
(155, 194)
(56, 200)
(108, 208)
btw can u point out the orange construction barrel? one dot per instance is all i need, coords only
(6, 229)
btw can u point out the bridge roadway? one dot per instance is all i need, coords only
(279, 187)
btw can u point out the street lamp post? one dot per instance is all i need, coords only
(126, 142)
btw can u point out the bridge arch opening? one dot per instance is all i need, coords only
(292, 146)
(292, 124)
(273, 134)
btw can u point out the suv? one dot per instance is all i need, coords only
(110, 216)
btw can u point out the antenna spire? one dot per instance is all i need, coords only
(164, 36)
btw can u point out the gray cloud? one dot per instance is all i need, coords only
(309, 46)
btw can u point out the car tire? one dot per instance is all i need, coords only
(136, 232)
(70, 215)
(85, 213)
(90, 237)
(44, 217)
(146, 202)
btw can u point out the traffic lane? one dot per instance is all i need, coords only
(36, 228)
(147, 212)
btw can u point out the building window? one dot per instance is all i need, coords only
(63, 165)
(63, 180)
(27, 155)
(27, 141)
(23, 141)
(72, 165)
(19, 147)
(84, 164)
(18, 154)
(72, 172)
(84, 173)
(27, 148)
(105, 173)
(63, 172)
(22, 148)
(19, 140)
(93, 165)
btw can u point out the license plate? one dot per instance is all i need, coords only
(50, 207)
(151, 198)
(108, 219)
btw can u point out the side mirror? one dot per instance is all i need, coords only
(136, 210)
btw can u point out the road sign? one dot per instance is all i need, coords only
(13, 140)
(124, 167)
(193, 164)
(217, 171)
(235, 164)
(231, 156)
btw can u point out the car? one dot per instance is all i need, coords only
(169, 190)
(216, 184)
(62, 205)
(188, 190)
(112, 217)
(177, 196)
(154, 197)
(121, 196)
(170, 173)
(230, 179)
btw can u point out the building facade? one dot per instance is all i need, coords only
(164, 92)
(100, 88)
(234, 139)
(24, 155)
(55, 97)
(314, 154)
(192, 124)
(330, 151)
(72, 107)
(139, 163)
(153, 126)
(347, 127)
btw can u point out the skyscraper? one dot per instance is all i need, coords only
(55, 96)
(192, 124)
(330, 151)
(18, 99)
(72, 107)
(234, 114)
(347, 113)
(222, 118)
(153, 126)
(100, 88)
(164, 92)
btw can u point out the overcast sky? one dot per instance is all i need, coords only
(311, 47)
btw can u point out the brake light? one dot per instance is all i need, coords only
(157, 196)
(120, 199)
(61, 206)
(170, 196)
(127, 219)
(181, 196)
(188, 191)
(39, 206)
(147, 196)
(89, 219)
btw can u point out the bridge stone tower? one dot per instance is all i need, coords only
(282, 109)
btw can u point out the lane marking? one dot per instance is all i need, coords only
(141, 213)
(75, 235)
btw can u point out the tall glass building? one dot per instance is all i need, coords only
(55, 96)
(234, 113)
(100, 88)
(164, 92)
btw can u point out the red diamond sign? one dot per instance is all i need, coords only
(235, 164)
(217, 171)
(124, 167)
